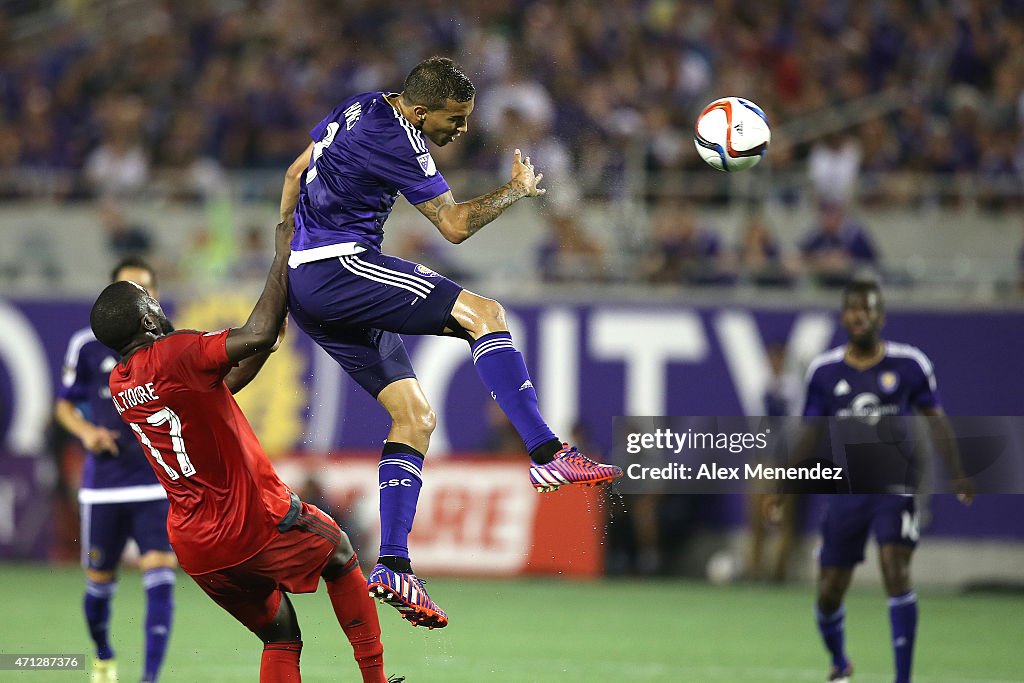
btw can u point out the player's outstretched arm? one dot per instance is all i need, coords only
(95, 438)
(246, 371)
(290, 191)
(945, 443)
(261, 330)
(458, 221)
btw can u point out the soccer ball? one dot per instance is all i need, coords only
(732, 134)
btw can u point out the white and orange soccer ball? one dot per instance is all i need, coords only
(732, 134)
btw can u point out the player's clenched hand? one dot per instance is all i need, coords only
(100, 439)
(771, 508)
(964, 489)
(524, 175)
(283, 237)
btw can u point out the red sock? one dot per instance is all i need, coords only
(280, 663)
(358, 618)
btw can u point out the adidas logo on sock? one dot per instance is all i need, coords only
(526, 385)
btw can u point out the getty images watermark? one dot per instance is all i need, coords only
(853, 454)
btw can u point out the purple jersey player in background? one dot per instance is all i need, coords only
(120, 496)
(866, 379)
(354, 301)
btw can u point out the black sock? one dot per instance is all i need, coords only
(402, 565)
(545, 453)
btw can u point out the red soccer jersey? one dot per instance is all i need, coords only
(225, 498)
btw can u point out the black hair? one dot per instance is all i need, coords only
(133, 262)
(116, 314)
(864, 286)
(436, 80)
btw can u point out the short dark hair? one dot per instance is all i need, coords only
(115, 315)
(434, 81)
(863, 286)
(133, 262)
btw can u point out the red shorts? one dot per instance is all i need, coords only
(292, 562)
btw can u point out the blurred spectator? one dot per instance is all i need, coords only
(781, 397)
(760, 259)
(569, 254)
(419, 245)
(119, 167)
(501, 436)
(836, 247)
(187, 173)
(124, 238)
(834, 166)
(255, 254)
(681, 251)
(102, 92)
(312, 492)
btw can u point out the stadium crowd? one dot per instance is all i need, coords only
(120, 96)
(908, 104)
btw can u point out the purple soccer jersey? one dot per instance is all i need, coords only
(897, 385)
(902, 382)
(126, 477)
(365, 153)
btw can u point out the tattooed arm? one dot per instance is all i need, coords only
(458, 221)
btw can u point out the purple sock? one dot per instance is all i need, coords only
(97, 615)
(399, 474)
(503, 372)
(831, 628)
(903, 618)
(159, 585)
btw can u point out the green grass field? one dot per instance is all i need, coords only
(527, 631)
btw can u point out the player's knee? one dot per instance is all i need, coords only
(100, 576)
(339, 565)
(283, 628)
(896, 580)
(491, 315)
(419, 419)
(426, 421)
(155, 559)
(344, 551)
(830, 596)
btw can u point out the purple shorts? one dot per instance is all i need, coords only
(106, 527)
(356, 306)
(849, 519)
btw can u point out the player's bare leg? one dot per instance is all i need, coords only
(282, 645)
(481, 321)
(894, 560)
(355, 611)
(833, 582)
(399, 474)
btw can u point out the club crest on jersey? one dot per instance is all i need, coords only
(888, 381)
(427, 164)
(842, 388)
(424, 271)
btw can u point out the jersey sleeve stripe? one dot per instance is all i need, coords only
(915, 354)
(78, 340)
(831, 356)
(415, 138)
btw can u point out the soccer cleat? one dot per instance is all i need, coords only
(396, 679)
(405, 592)
(103, 671)
(571, 467)
(841, 675)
